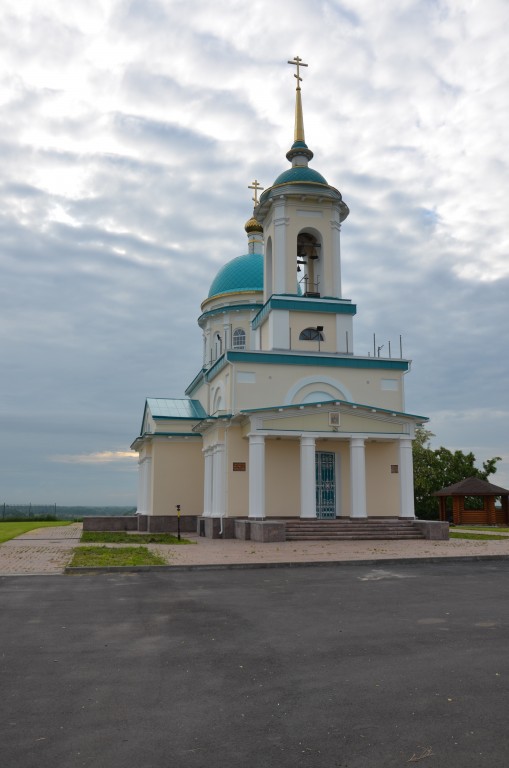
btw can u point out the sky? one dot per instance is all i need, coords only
(129, 133)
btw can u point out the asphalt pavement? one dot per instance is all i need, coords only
(333, 667)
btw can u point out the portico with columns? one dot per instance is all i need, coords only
(283, 420)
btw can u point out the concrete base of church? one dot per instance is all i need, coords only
(168, 523)
(243, 529)
(127, 523)
(216, 527)
(141, 523)
(267, 530)
(433, 529)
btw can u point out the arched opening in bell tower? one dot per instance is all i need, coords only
(309, 262)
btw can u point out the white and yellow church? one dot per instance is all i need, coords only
(283, 420)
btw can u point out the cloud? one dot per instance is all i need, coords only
(100, 457)
(129, 133)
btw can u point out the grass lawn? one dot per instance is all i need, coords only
(122, 537)
(494, 528)
(104, 556)
(11, 530)
(454, 534)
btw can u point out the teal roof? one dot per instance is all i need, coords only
(245, 273)
(171, 408)
(300, 173)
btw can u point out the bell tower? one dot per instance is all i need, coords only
(301, 215)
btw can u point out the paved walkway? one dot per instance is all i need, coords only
(41, 551)
(49, 550)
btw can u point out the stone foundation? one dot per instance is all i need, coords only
(141, 523)
(110, 523)
(211, 527)
(243, 529)
(168, 523)
(433, 529)
(267, 531)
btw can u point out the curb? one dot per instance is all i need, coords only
(304, 564)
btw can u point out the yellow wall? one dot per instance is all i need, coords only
(382, 487)
(282, 486)
(301, 320)
(177, 472)
(175, 425)
(273, 382)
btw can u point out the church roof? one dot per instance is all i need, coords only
(300, 173)
(173, 408)
(244, 273)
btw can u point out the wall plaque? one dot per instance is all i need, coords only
(239, 466)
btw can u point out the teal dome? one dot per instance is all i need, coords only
(245, 273)
(300, 173)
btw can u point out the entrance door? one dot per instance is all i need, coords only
(325, 485)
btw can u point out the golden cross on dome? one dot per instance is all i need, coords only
(297, 62)
(256, 186)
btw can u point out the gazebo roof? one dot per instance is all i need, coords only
(472, 486)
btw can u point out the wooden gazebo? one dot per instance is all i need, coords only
(472, 487)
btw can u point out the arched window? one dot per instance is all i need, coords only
(311, 334)
(239, 338)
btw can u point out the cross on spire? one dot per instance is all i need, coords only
(297, 62)
(256, 186)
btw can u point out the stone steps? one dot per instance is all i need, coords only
(351, 530)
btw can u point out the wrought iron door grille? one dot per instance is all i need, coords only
(325, 485)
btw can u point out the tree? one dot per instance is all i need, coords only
(436, 469)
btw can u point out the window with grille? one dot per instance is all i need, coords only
(311, 334)
(239, 339)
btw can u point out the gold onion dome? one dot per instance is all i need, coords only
(252, 225)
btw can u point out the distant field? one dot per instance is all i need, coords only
(60, 512)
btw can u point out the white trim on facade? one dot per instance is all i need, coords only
(207, 484)
(145, 486)
(357, 477)
(343, 392)
(307, 477)
(406, 478)
(256, 476)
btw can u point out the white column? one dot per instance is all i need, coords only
(218, 481)
(207, 346)
(145, 486)
(256, 476)
(227, 344)
(279, 249)
(406, 478)
(207, 490)
(279, 329)
(357, 478)
(140, 507)
(256, 339)
(336, 259)
(307, 477)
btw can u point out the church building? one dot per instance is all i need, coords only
(282, 420)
